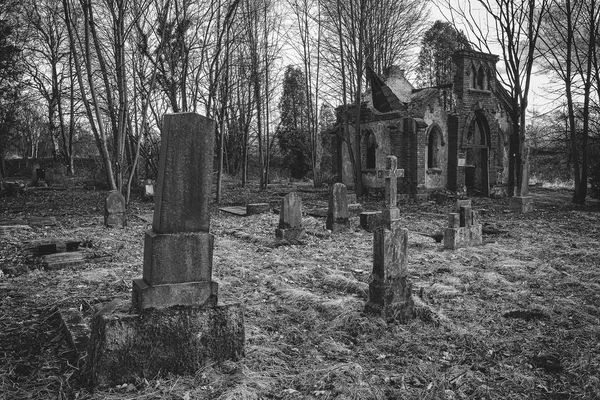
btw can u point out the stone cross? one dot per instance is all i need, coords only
(178, 250)
(338, 217)
(390, 290)
(290, 218)
(391, 211)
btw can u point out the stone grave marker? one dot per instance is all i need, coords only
(115, 214)
(176, 325)
(463, 228)
(338, 217)
(290, 218)
(390, 291)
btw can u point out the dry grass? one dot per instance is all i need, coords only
(518, 317)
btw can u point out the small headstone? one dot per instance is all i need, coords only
(390, 291)
(257, 208)
(115, 214)
(338, 217)
(453, 220)
(290, 218)
(465, 216)
(148, 191)
(464, 228)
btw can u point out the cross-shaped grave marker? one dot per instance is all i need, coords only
(392, 173)
(390, 290)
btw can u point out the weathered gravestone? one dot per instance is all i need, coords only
(290, 218)
(115, 210)
(463, 228)
(390, 289)
(338, 217)
(176, 325)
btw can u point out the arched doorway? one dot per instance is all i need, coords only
(435, 142)
(476, 146)
(370, 146)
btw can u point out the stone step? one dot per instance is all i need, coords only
(62, 260)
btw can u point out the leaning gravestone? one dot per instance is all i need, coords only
(290, 218)
(115, 210)
(338, 217)
(390, 291)
(176, 325)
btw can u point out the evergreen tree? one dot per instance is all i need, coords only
(435, 59)
(292, 133)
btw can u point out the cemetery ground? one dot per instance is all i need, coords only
(515, 318)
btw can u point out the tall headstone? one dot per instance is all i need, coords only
(290, 218)
(115, 210)
(390, 289)
(176, 325)
(178, 250)
(338, 217)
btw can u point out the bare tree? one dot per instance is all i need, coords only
(568, 45)
(357, 33)
(47, 62)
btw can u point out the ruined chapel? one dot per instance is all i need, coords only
(453, 136)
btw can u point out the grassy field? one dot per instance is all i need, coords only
(515, 318)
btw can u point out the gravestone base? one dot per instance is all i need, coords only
(115, 220)
(462, 236)
(191, 294)
(369, 220)
(391, 300)
(126, 347)
(521, 204)
(337, 225)
(290, 234)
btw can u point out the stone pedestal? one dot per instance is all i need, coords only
(521, 204)
(463, 228)
(390, 290)
(455, 238)
(370, 220)
(126, 347)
